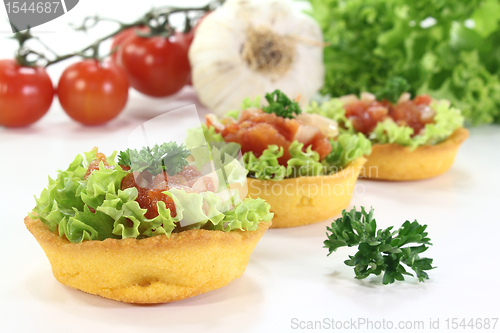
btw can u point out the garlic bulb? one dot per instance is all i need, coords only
(247, 48)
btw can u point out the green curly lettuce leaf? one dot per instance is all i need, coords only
(201, 135)
(388, 131)
(304, 163)
(372, 41)
(92, 155)
(245, 216)
(346, 149)
(446, 121)
(219, 153)
(223, 211)
(266, 166)
(234, 170)
(246, 104)
(96, 208)
(61, 197)
(223, 160)
(100, 183)
(190, 211)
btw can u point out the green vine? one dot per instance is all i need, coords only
(156, 21)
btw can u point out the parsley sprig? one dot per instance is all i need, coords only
(393, 89)
(281, 105)
(380, 250)
(169, 157)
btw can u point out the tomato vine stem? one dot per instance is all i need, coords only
(156, 20)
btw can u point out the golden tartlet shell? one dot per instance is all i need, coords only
(306, 200)
(152, 270)
(397, 163)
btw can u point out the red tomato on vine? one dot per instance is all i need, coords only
(120, 38)
(156, 66)
(26, 94)
(92, 92)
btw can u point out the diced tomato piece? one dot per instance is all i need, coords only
(365, 115)
(321, 145)
(410, 114)
(149, 196)
(230, 129)
(422, 99)
(155, 196)
(257, 139)
(413, 113)
(150, 193)
(190, 172)
(94, 165)
(256, 130)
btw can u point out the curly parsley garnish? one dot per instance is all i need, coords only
(169, 157)
(281, 105)
(393, 89)
(380, 250)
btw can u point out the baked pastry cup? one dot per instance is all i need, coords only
(397, 163)
(306, 200)
(152, 270)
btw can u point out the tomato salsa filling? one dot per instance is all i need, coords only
(255, 130)
(367, 112)
(151, 188)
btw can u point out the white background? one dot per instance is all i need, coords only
(289, 275)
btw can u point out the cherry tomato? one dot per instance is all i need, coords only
(92, 92)
(120, 38)
(156, 66)
(26, 94)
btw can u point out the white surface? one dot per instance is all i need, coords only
(289, 275)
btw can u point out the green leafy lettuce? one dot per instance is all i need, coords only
(448, 58)
(446, 121)
(344, 150)
(222, 214)
(245, 216)
(201, 135)
(223, 159)
(303, 163)
(96, 208)
(246, 104)
(266, 166)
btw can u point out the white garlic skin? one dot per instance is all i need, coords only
(223, 78)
